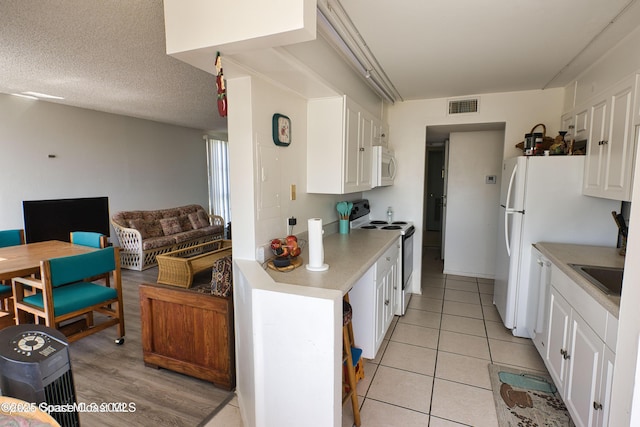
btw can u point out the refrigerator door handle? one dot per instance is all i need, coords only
(508, 211)
(506, 231)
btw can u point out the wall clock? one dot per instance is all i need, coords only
(281, 130)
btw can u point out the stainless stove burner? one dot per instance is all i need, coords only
(391, 227)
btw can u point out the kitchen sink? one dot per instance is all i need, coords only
(607, 279)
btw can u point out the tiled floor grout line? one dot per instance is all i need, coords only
(435, 365)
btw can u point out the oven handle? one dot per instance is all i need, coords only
(409, 232)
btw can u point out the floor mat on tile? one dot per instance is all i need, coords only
(526, 399)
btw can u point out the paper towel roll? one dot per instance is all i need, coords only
(316, 248)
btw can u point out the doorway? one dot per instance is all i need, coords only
(434, 196)
(436, 188)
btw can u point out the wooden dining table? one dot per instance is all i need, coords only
(24, 260)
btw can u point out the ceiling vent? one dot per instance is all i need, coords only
(462, 106)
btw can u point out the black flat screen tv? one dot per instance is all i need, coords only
(55, 219)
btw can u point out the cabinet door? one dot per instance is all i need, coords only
(389, 295)
(351, 147)
(581, 124)
(619, 144)
(364, 151)
(583, 379)
(567, 124)
(602, 405)
(380, 309)
(558, 338)
(595, 162)
(539, 284)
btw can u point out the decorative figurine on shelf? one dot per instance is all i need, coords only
(222, 90)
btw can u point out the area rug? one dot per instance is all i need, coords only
(527, 399)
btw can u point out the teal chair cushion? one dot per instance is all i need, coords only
(86, 238)
(10, 238)
(74, 296)
(5, 289)
(74, 268)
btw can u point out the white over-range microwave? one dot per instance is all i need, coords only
(384, 166)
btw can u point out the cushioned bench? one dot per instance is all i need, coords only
(143, 235)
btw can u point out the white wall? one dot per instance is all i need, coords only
(261, 175)
(138, 164)
(472, 204)
(408, 121)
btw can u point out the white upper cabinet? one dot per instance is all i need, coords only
(611, 143)
(340, 136)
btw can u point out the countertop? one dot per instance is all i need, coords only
(562, 254)
(349, 256)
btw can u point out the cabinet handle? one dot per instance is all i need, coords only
(565, 354)
(597, 406)
(361, 148)
(605, 142)
(388, 258)
(386, 302)
(540, 263)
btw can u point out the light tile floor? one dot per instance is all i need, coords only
(432, 367)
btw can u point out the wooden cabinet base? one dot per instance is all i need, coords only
(188, 332)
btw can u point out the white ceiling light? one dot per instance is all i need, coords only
(337, 28)
(39, 95)
(21, 95)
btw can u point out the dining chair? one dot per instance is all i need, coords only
(88, 238)
(65, 301)
(93, 240)
(9, 238)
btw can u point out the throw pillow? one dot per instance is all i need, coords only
(222, 278)
(204, 218)
(196, 221)
(170, 226)
(140, 225)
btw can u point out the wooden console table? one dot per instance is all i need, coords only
(189, 332)
(178, 267)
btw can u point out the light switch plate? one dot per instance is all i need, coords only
(491, 179)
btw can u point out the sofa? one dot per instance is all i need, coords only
(143, 235)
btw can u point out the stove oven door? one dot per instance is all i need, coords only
(407, 268)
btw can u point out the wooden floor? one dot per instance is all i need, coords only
(105, 373)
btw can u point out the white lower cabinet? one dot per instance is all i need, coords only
(577, 357)
(372, 300)
(539, 284)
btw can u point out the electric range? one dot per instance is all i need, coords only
(360, 219)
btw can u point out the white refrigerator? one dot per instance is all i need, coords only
(541, 201)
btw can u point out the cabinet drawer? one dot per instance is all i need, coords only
(387, 260)
(593, 313)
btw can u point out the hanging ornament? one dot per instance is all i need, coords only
(222, 90)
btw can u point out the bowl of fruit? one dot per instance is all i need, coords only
(286, 250)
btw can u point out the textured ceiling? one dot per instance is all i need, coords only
(105, 55)
(109, 55)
